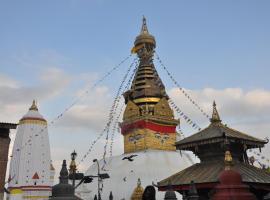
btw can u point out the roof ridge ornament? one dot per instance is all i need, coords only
(34, 106)
(228, 160)
(215, 116)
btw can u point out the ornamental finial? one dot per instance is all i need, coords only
(138, 191)
(215, 115)
(228, 160)
(73, 166)
(144, 29)
(64, 173)
(34, 106)
(139, 183)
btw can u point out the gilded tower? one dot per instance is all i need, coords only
(148, 121)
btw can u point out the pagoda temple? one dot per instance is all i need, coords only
(209, 145)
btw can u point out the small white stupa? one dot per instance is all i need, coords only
(31, 172)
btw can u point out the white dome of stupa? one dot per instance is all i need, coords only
(150, 166)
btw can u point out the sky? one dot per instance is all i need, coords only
(54, 51)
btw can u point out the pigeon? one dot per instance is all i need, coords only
(129, 158)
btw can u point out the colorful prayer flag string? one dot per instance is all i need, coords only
(75, 102)
(184, 116)
(181, 89)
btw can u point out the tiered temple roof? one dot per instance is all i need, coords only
(209, 145)
(218, 132)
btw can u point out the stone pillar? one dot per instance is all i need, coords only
(4, 147)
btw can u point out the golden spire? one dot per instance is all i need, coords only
(138, 191)
(228, 160)
(34, 106)
(215, 115)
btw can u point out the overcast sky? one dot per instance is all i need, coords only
(53, 51)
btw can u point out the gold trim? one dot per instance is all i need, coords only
(16, 191)
(32, 121)
(35, 197)
(147, 99)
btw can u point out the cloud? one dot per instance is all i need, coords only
(247, 111)
(6, 81)
(15, 97)
(92, 113)
(234, 104)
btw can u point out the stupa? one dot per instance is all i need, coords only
(148, 129)
(31, 172)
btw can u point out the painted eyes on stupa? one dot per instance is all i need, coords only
(161, 137)
(135, 138)
(157, 135)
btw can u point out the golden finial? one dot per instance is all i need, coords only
(228, 160)
(138, 191)
(73, 166)
(215, 115)
(34, 106)
(144, 29)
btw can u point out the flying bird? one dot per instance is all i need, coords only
(129, 158)
(6, 190)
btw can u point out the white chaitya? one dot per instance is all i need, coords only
(150, 166)
(30, 167)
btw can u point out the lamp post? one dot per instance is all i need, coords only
(99, 197)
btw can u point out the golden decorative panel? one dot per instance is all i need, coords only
(162, 108)
(142, 139)
(132, 110)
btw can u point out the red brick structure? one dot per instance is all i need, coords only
(4, 147)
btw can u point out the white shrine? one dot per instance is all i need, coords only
(31, 172)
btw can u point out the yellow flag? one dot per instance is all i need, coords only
(136, 48)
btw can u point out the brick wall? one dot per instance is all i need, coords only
(4, 147)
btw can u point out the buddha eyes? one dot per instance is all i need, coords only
(135, 138)
(162, 137)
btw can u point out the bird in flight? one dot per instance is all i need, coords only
(129, 158)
